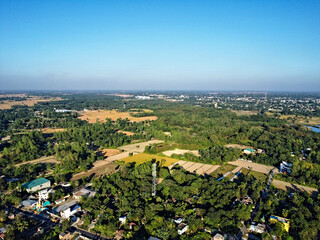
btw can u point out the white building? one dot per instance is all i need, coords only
(123, 219)
(143, 97)
(68, 209)
(182, 228)
(84, 192)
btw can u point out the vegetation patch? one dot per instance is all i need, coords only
(145, 157)
(223, 170)
(52, 130)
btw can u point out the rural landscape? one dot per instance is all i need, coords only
(159, 120)
(113, 166)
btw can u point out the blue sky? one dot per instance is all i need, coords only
(178, 45)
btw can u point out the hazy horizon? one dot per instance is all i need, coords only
(153, 45)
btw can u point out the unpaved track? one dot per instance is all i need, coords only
(50, 159)
(255, 166)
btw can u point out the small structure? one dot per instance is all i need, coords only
(28, 203)
(36, 184)
(257, 227)
(285, 167)
(68, 209)
(182, 228)
(84, 192)
(286, 222)
(249, 151)
(123, 219)
(178, 220)
(65, 235)
(218, 236)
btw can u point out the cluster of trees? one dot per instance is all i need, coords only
(202, 202)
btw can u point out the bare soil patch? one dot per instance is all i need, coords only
(126, 133)
(242, 112)
(108, 152)
(139, 147)
(101, 116)
(181, 152)
(30, 101)
(290, 186)
(254, 166)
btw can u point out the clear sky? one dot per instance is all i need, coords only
(159, 44)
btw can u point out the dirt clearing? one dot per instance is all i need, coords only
(181, 152)
(237, 146)
(108, 152)
(126, 133)
(101, 116)
(254, 166)
(52, 130)
(139, 147)
(290, 186)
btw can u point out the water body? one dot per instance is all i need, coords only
(314, 129)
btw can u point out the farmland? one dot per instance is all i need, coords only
(145, 157)
(30, 101)
(101, 116)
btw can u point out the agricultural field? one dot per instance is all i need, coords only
(30, 101)
(94, 116)
(145, 157)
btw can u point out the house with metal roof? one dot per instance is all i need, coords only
(36, 184)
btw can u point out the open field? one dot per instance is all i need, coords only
(139, 147)
(199, 168)
(180, 152)
(223, 170)
(254, 166)
(145, 157)
(52, 130)
(50, 159)
(30, 101)
(126, 133)
(290, 186)
(108, 168)
(108, 152)
(243, 112)
(237, 146)
(101, 115)
(260, 176)
(299, 119)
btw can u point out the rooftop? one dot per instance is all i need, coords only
(34, 183)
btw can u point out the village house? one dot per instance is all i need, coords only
(182, 228)
(36, 184)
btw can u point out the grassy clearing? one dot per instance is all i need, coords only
(245, 171)
(145, 157)
(259, 176)
(52, 130)
(223, 170)
(244, 113)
